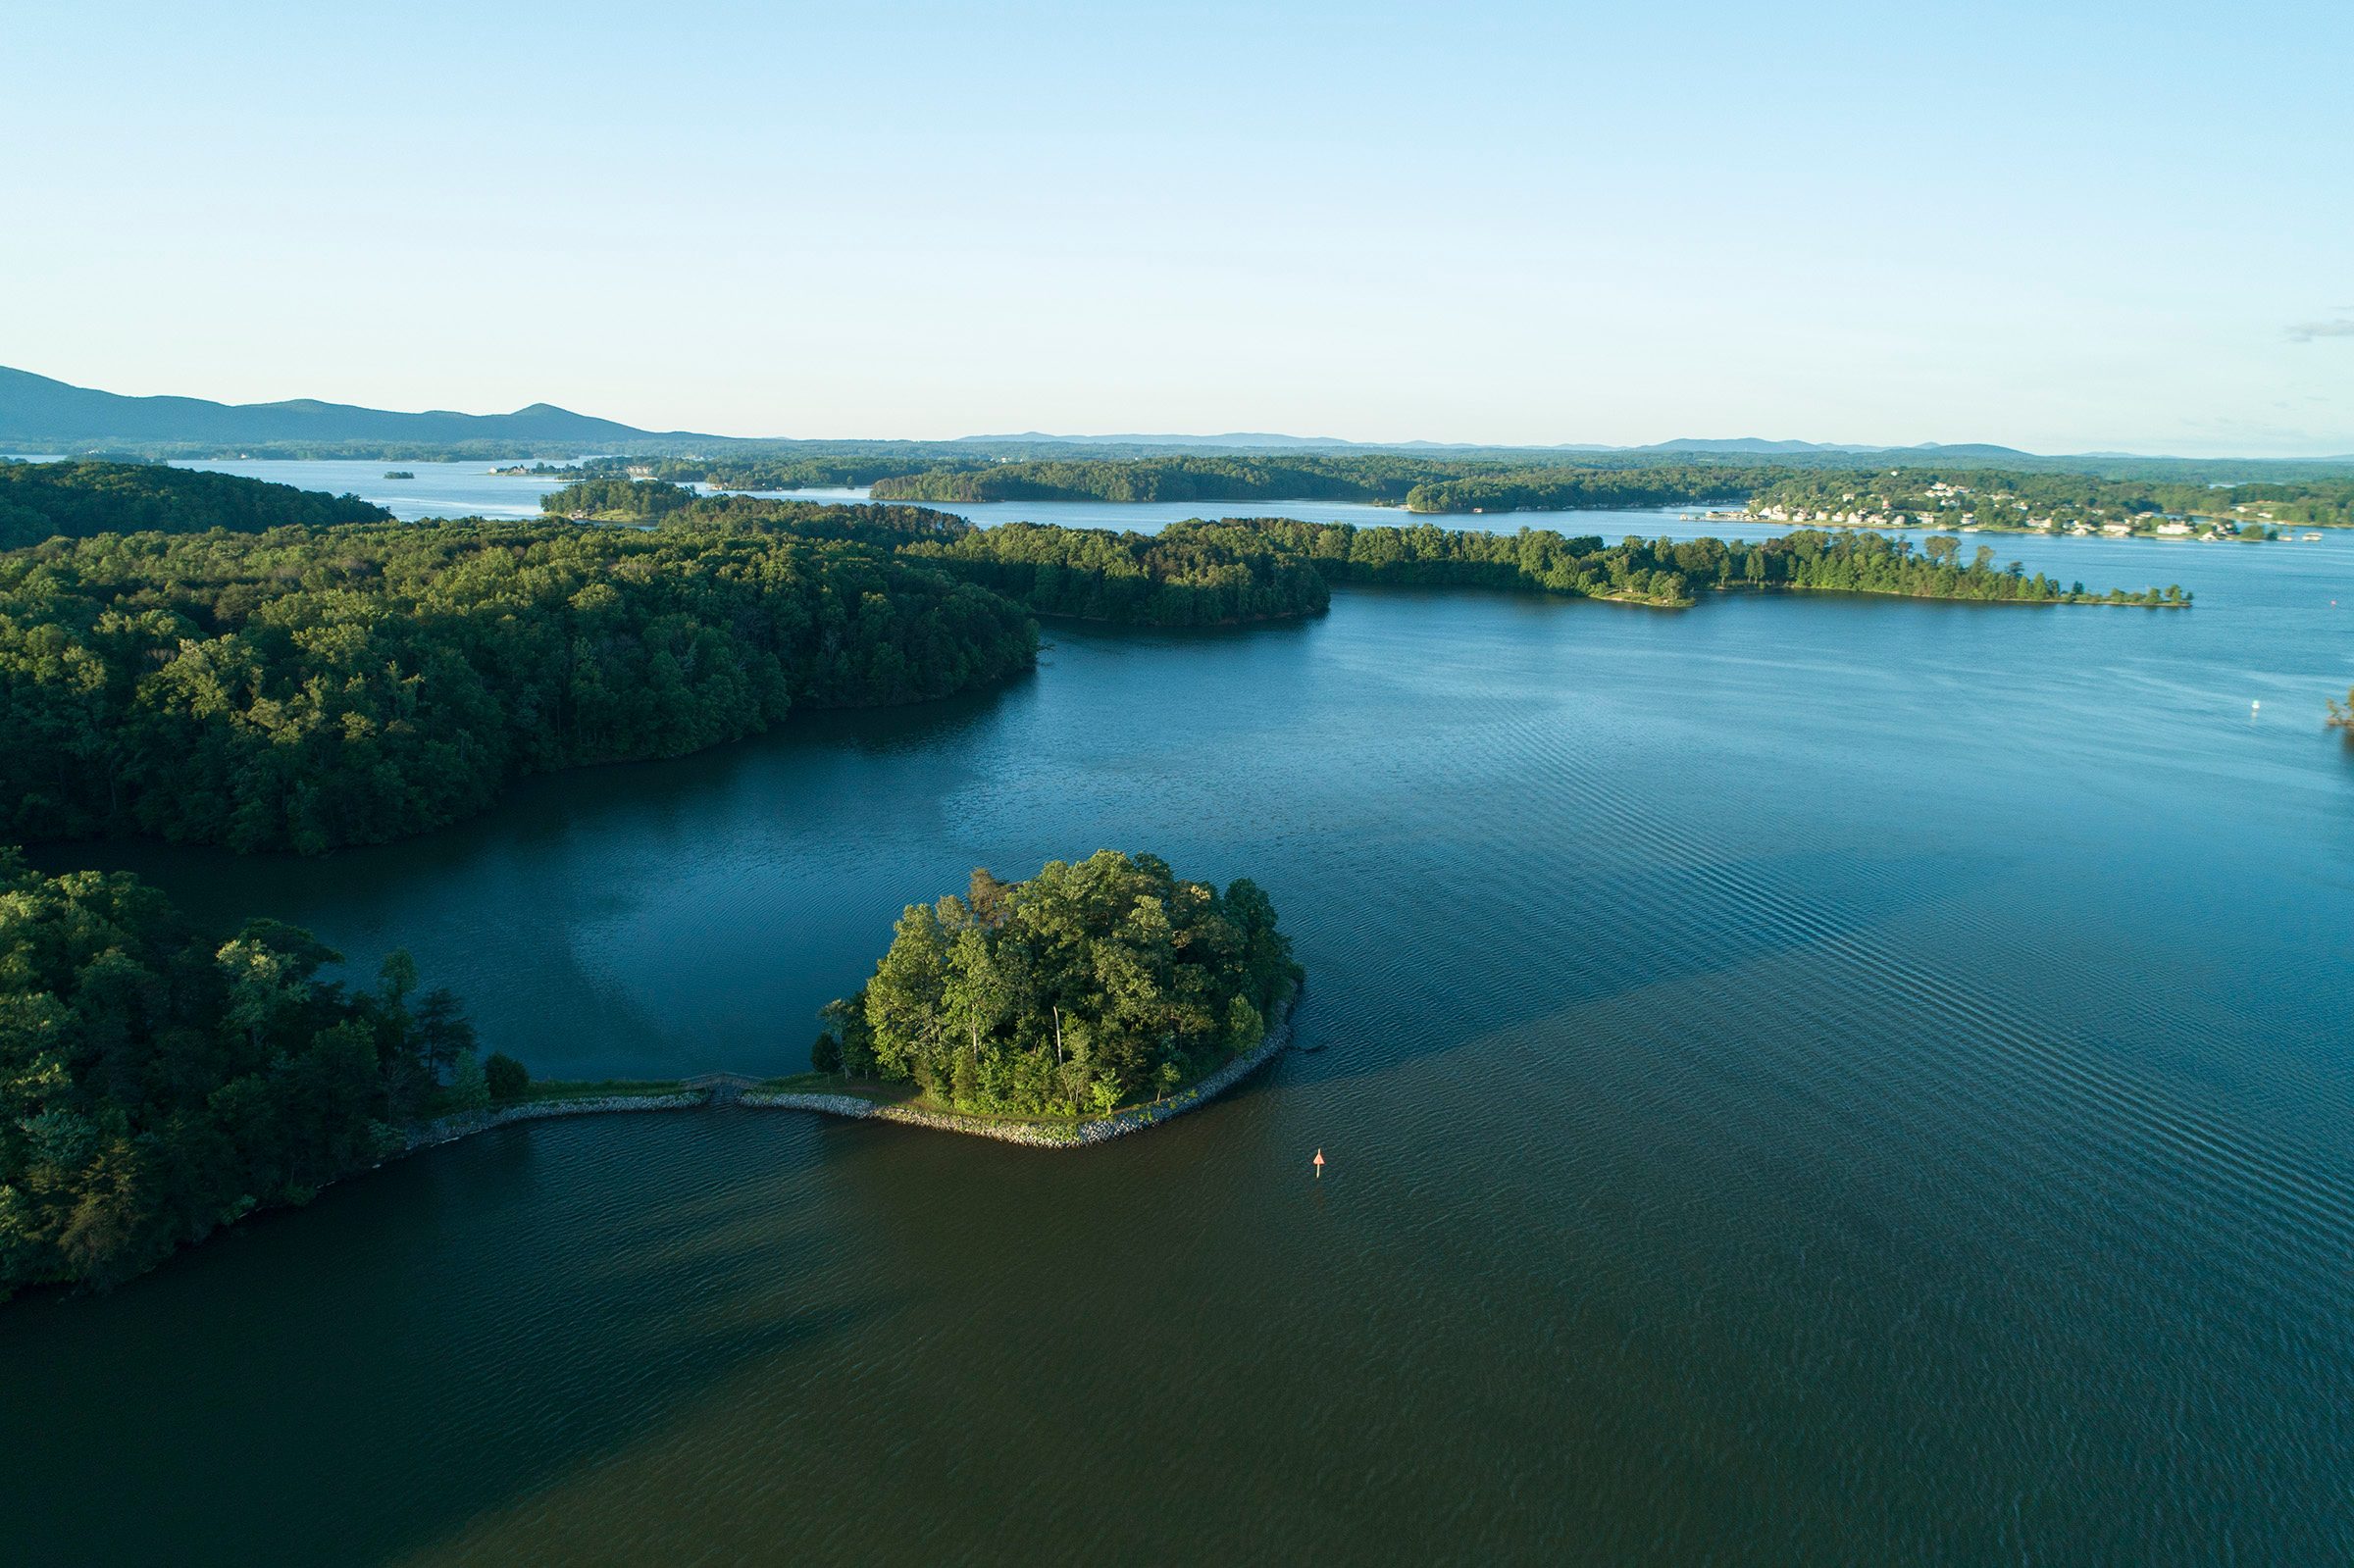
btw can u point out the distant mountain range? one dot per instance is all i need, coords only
(36, 412)
(1763, 448)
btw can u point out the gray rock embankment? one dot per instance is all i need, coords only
(1050, 1135)
(465, 1124)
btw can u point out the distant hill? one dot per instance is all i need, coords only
(1745, 444)
(1233, 441)
(38, 413)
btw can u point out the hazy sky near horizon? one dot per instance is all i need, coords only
(2059, 227)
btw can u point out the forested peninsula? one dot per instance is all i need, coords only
(309, 688)
(75, 500)
(158, 1081)
(267, 684)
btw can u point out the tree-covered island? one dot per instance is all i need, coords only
(1091, 984)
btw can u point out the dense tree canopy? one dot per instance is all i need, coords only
(1421, 484)
(674, 505)
(42, 500)
(1997, 499)
(1181, 577)
(157, 1080)
(1559, 489)
(1176, 478)
(862, 465)
(1653, 571)
(1090, 984)
(308, 688)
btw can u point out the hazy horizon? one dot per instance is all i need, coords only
(2061, 230)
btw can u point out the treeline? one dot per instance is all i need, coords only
(817, 471)
(1175, 579)
(1421, 484)
(77, 499)
(158, 1082)
(1173, 478)
(659, 501)
(1071, 993)
(1183, 576)
(303, 689)
(1667, 571)
(1560, 490)
(2005, 499)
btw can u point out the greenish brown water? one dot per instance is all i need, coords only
(1805, 1079)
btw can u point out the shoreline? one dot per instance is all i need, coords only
(1033, 1134)
(465, 1124)
(1040, 1134)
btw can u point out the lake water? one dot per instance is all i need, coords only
(1805, 1079)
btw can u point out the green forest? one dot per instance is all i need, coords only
(1074, 992)
(1555, 490)
(75, 500)
(1824, 485)
(1170, 478)
(1660, 572)
(1420, 485)
(158, 1081)
(307, 688)
(1997, 499)
(623, 501)
(1182, 577)
(1175, 579)
(310, 686)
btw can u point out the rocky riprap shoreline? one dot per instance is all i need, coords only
(450, 1129)
(722, 1087)
(1047, 1134)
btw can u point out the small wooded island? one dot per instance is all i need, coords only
(1044, 1010)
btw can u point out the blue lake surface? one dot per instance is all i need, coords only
(1807, 1078)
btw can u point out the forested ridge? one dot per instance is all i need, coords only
(158, 1081)
(1069, 994)
(302, 690)
(39, 500)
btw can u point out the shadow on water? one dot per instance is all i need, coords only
(343, 1352)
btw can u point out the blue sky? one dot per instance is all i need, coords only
(2059, 227)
